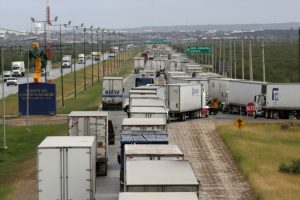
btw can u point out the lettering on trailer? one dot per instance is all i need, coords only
(275, 94)
(112, 93)
(195, 91)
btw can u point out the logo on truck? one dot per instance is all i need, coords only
(112, 92)
(195, 91)
(275, 94)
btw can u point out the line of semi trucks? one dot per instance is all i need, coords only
(151, 167)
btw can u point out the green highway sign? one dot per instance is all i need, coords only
(198, 50)
(158, 41)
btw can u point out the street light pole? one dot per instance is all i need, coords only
(102, 52)
(3, 100)
(84, 66)
(92, 55)
(61, 67)
(74, 59)
(98, 64)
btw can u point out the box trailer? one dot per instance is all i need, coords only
(144, 124)
(142, 92)
(239, 94)
(160, 90)
(278, 100)
(159, 176)
(149, 112)
(139, 137)
(143, 81)
(146, 102)
(112, 94)
(92, 123)
(178, 79)
(174, 73)
(139, 64)
(66, 168)
(158, 196)
(186, 100)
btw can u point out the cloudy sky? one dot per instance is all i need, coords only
(15, 14)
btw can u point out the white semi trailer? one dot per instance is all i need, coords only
(92, 123)
(66, 168)
(278, 100)
(160, 176)
(186, 100)
(112, 93)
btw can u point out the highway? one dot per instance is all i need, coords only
(54, 73)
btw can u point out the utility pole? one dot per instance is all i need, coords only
(243, 62)
(263, 61)
(220, 56)
(212, 56)
(250, 62)
(3, 101)
(230, 57)
(223, 70)
(234, 57)
(299, 52)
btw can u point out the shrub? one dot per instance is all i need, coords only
(292, 168)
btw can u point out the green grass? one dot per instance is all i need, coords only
(21, 147)
(86, 100)
(259, 149)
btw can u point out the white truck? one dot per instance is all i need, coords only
(81, 59)
(149, 112)
(160, 176)
(18, 68)
(6, 75)
(144, 124)
(278, 100)
(186, 100)
(139, 64)
(92, 123)
(96, 55)
(147, 74)
(239, 94)
(66, 168)
(158, 195)
(66, 61)
(112, 93)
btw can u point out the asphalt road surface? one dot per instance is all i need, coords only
(55, 73)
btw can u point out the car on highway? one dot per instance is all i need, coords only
(43, 72)
(12, 81)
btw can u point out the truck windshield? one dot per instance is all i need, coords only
(15, 68)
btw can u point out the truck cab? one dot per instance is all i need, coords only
(66, 61)
(18, 68)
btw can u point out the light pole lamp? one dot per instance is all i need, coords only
(45, 38)
(98, 64)
(74, 57)
(92, 55)
(61, 67)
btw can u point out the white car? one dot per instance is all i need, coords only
(11, 81)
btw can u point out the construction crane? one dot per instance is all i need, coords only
(40, 58)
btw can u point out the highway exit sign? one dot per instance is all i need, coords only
(198, 50)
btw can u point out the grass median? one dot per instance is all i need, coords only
(21, 147)
(259, 149)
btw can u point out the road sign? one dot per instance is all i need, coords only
(250, 108)
(198, 50)
(240, 123)
(158, 41)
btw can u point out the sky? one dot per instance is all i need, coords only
(117, 14)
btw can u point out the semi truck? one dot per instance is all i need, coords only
(92, 123)
(96, 55)
(66, 168)
(186, 100)
(66, 61)
(81, 59)
(159, 176)
(139, 64)
(138, 137)
(239, 94)
(158, 195)
(112, 96)
(278, 100)
(18, 68)
(144, 124)
(6, 75)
